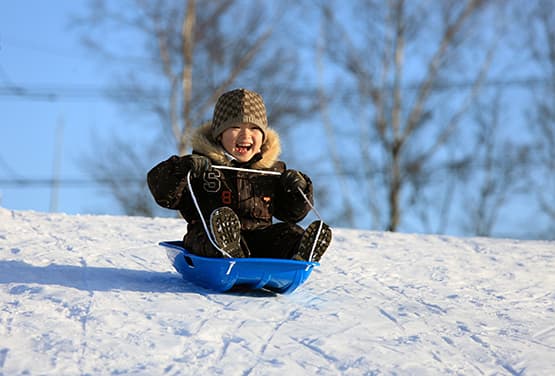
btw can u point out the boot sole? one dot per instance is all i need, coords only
(307, 242)
(226, 231)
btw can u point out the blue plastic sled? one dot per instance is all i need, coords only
(223, 274)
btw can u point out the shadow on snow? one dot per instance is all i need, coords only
(92, 278)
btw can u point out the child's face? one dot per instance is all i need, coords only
(242, 141)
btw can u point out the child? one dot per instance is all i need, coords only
(238, 206)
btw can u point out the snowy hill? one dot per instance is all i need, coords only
(95, 295)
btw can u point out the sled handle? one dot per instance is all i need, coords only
(266, 172)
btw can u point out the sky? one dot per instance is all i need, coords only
(39, 52)
(39, 55)
(96, 295)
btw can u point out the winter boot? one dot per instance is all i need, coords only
(226, 231)
(308, 239)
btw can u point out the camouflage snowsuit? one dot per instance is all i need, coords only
(255, 198)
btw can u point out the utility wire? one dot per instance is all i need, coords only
(84, 182)
(47, 182)
(83, 92)
(8, 168)
(86, 92)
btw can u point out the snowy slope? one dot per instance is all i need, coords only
(95, 295)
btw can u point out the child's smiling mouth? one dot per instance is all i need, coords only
(243, 148)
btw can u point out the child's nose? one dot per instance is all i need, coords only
(245, 131)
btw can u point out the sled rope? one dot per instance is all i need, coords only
(319, 227)
(202, 218)
(247, 170)
(256, 172)
(300, 191)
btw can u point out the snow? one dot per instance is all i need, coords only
(96, 295)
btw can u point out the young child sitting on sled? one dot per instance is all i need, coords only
(238, 205)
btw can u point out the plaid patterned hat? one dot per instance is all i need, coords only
(238, 106)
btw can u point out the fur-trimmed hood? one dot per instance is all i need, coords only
(203, 143)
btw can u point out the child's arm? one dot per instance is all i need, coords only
(290, 205)
(167, 181)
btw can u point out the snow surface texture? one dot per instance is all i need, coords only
(96, 295)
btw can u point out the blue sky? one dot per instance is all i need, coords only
(38, 51)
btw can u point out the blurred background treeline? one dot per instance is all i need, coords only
(409, 115)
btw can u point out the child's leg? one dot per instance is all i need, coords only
(225, 228)
(280, 240)
(196, 241)
(314, 242)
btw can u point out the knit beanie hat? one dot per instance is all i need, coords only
(238, 106)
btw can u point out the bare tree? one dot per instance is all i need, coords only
(539, 26)
(408, 72)
(499, 169)
(173, 59)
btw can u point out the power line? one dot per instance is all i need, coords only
(84, 182)
(78, 92)
(87, 92)
(7, 167)
(47, 182)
